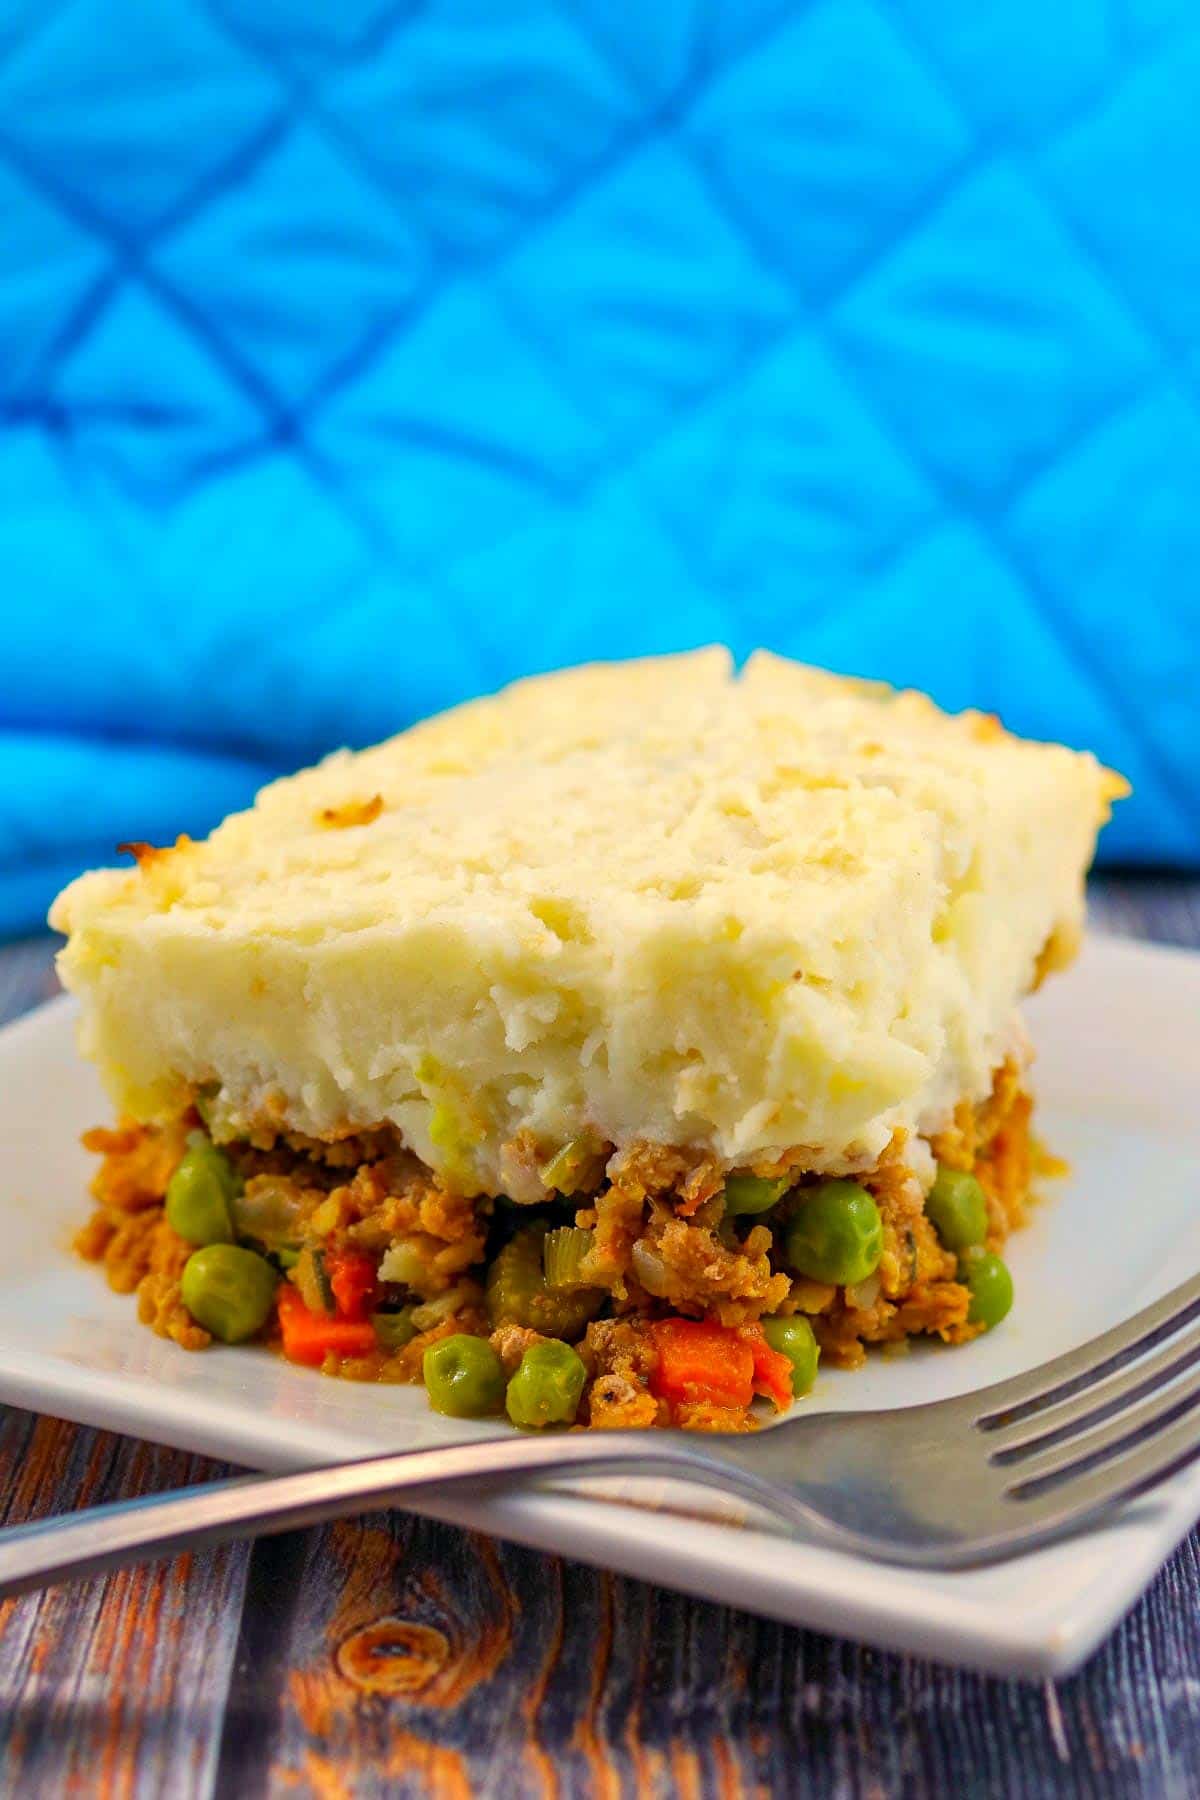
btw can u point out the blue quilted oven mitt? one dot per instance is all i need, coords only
(357, 358)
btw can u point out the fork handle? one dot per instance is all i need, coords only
(108, 1537)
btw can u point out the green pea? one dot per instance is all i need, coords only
(794, 1337)
(990, 1286)
(229, 1290)
(201, 1192)
(753, 1193)
(547, 1387)
(957, 1206)
(464, 1376)
(836, 1235)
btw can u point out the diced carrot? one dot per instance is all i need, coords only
(701, 1361)
(308, 1337)
(352, 1278)
(772, 1369)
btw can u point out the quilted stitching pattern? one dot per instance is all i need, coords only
(353, 359)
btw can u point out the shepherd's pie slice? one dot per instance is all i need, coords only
(622, 931)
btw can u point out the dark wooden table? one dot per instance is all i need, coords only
(406, 1658)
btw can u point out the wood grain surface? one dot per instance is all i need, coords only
(404, 1658)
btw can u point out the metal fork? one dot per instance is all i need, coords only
(943, 1485)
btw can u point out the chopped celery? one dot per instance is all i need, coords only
(394, 1329)
(518, 1293)
(565, 1167)
(563, 1253)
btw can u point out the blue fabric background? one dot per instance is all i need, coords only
(355, 358)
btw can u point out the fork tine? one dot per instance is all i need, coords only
(1024, 1395)
(1073, 1502)
(1132, 1427)
(1111, 1396)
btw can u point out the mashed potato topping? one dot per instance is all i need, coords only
(651, 901)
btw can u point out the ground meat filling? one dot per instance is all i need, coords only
(376, 1261)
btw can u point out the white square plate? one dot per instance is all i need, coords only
(1118, 1080)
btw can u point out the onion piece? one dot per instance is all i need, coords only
(650, 1269)
(454, 1300)
(863, 1295)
